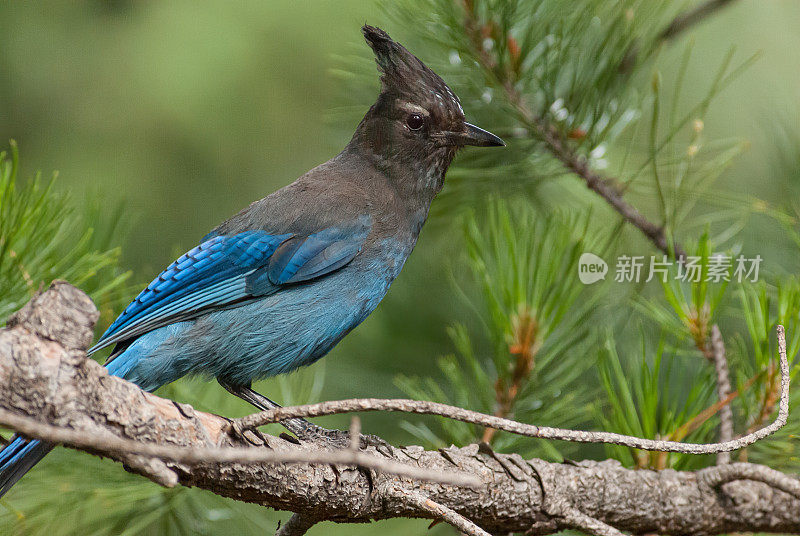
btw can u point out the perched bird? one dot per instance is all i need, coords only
(276, 286)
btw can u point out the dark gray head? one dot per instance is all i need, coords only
(417, 124)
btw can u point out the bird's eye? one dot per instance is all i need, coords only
(415, 121)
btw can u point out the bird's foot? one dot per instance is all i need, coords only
(251, 436)
(339, 439)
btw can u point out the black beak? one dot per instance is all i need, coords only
(472, 135)
(481, 138)
(476, 136)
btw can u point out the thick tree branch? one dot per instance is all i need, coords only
(108, 443)
(45, 376)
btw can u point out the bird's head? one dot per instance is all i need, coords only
(417, 124)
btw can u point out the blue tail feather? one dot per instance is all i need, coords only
(17, 458)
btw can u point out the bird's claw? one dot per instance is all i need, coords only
(339, 439)
(381, 445)
(253, 437)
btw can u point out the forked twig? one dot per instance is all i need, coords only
(578, 520)
(438, 511)
(297, 525)
(530, 430)
(721, 474)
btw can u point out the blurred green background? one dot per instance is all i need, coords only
(186, 112)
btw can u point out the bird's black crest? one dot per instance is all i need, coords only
(401, 71)
(379, 40)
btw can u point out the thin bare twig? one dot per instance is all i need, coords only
(723, 391)
(297, 525)
(530, 430)
(721, 474)
(355, 433)
(109, 443)
(438, 511)
(578, 520)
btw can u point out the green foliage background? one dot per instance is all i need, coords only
(165, 118)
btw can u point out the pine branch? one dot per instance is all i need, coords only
(559, 147)
(47, 381)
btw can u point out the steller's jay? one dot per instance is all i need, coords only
(276, 286)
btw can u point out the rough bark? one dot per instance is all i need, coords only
(45, 374)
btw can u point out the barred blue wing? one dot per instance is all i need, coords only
(226, 271)
(301, 259)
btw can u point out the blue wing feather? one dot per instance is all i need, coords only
(299, 260)
(223, 271)
(210, 275)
